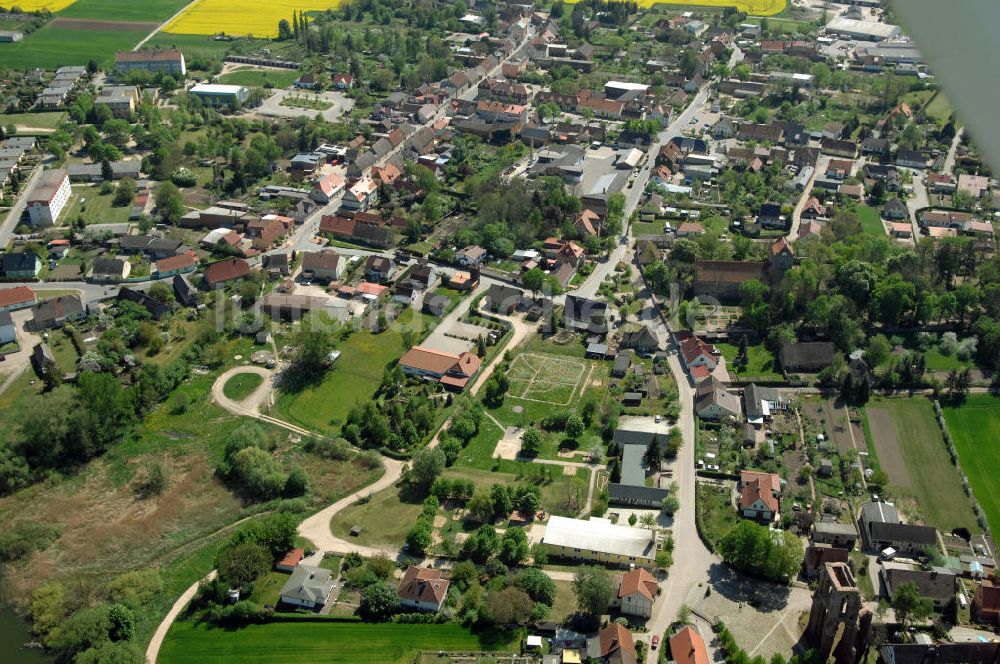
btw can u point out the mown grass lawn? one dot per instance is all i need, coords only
(935, 484)
(384, 520)
(95, 207)
(975, 430)
(935, 359)
(871, 222)
(242, 385)
(274, 78)
(647, 228)
(47, 120)
(760, 362)
(354, 377)
(321, 641)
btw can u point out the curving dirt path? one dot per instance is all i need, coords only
(249, 406)
(316, 528)
(153, 649)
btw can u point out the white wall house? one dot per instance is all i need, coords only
(49, 197)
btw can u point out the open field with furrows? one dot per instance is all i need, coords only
(935, 490)
(320, 641)
(975, 429)
(757, 7)
(236, 17)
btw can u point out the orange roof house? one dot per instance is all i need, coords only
(687, 647)
(290, 560)
(452, 371)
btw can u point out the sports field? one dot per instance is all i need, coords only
(545, 378)
(320, 641)
(236, 17)
(975, 429)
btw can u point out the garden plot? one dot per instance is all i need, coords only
(545, 378)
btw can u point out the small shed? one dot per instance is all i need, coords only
(632, 399)
(597, 351)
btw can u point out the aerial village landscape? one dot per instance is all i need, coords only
(508, 332)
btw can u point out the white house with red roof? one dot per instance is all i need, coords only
(422, 589)
(18, 297)
(696, 352)
(637, 593)
(327, 188)
(760, 494)
(361, 195)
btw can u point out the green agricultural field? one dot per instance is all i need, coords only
(935, 485)
(354, 377)
(760, 362)
(242, 385)
(871, 223)
(63, 43)
(326, 641)
(975, 430)
(146, 11)
(53, 47)
(274, 78)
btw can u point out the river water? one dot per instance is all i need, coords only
(14, 633)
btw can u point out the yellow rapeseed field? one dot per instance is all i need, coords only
(34, 5)
(754, 7)
(242, 17)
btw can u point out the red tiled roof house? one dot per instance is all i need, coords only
(637, 593)
(452, 371)
(759, 495)
(217, 274)
(422, 589)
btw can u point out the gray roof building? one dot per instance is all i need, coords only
(308, 586)
(634, 430)
(761, 402)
